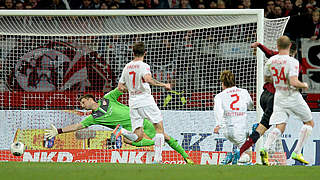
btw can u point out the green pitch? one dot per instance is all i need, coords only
(96, 171)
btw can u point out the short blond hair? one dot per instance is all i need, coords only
(283, 42)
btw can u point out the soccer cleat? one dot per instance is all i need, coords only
(264, 157)
(115, 133)
(188, 161)
(236, 157)
(298, 157)
(228, 158)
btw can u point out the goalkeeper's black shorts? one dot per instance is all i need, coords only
(266, 103)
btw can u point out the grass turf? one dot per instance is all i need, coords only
(95, 171)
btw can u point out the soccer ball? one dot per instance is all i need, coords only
(17, 148)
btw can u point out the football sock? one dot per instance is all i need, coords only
(272, 137)
(174, 145)
(143, 142)
(158, 142)
(253, 138)
(303, 136)
(129, 135)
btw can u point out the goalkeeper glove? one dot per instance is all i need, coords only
(51, 133)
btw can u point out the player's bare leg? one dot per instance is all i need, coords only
(158, 142)
(303, 136)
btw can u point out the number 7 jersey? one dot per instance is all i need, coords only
(139, 90)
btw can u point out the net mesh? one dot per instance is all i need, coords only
(48, 62)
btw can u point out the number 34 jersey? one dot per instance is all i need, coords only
(139, 90)
(281, 67)
(230, 107)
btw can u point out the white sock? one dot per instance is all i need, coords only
(272, 137)
(305, 132)
(158, 144)
(129, 135)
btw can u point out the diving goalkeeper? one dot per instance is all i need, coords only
(109, 112)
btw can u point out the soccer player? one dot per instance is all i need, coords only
(136, 77)
(284, 71)
(266, 100)
(109, 112)
(230, 112)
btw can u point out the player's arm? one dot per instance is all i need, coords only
(148, 78)
(53, 131)
(293, 76)
(250, 105)
(268, 52)
(294, 81)
(114, 94)
(218, 114)
(122, 85)
(267, 73)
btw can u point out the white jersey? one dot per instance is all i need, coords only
(281, 67)
(139, 91)
(230, 108)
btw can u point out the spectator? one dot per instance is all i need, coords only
(19, 6)
(114, 6)
(313, 3)
(313, 27)
(247, 4)
(185, 4)
(160, 4)
(104, 6)
(96, 4)
(221, 4)
(57, 4)
(201, 6)
(140, 5)
(287, 8)
(277, 12)
(28, 6)
(279, 3)
(269, 10)
(298, 8)
(74, 4)
(213, 5)
(86, 4)
(9, 4)
(240, 6)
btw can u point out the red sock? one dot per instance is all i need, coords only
(246, 145)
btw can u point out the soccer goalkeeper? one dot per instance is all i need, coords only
(109, 112)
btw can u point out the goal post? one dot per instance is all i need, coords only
(50, 58)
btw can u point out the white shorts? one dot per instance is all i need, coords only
(300, 109)
(137, 115)
(236, 136)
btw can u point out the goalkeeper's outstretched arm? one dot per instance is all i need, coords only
(53, 131)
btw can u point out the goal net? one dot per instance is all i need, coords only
(50, 58)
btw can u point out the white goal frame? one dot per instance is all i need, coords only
(180, 12)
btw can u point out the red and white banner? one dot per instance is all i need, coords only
(112, 156)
